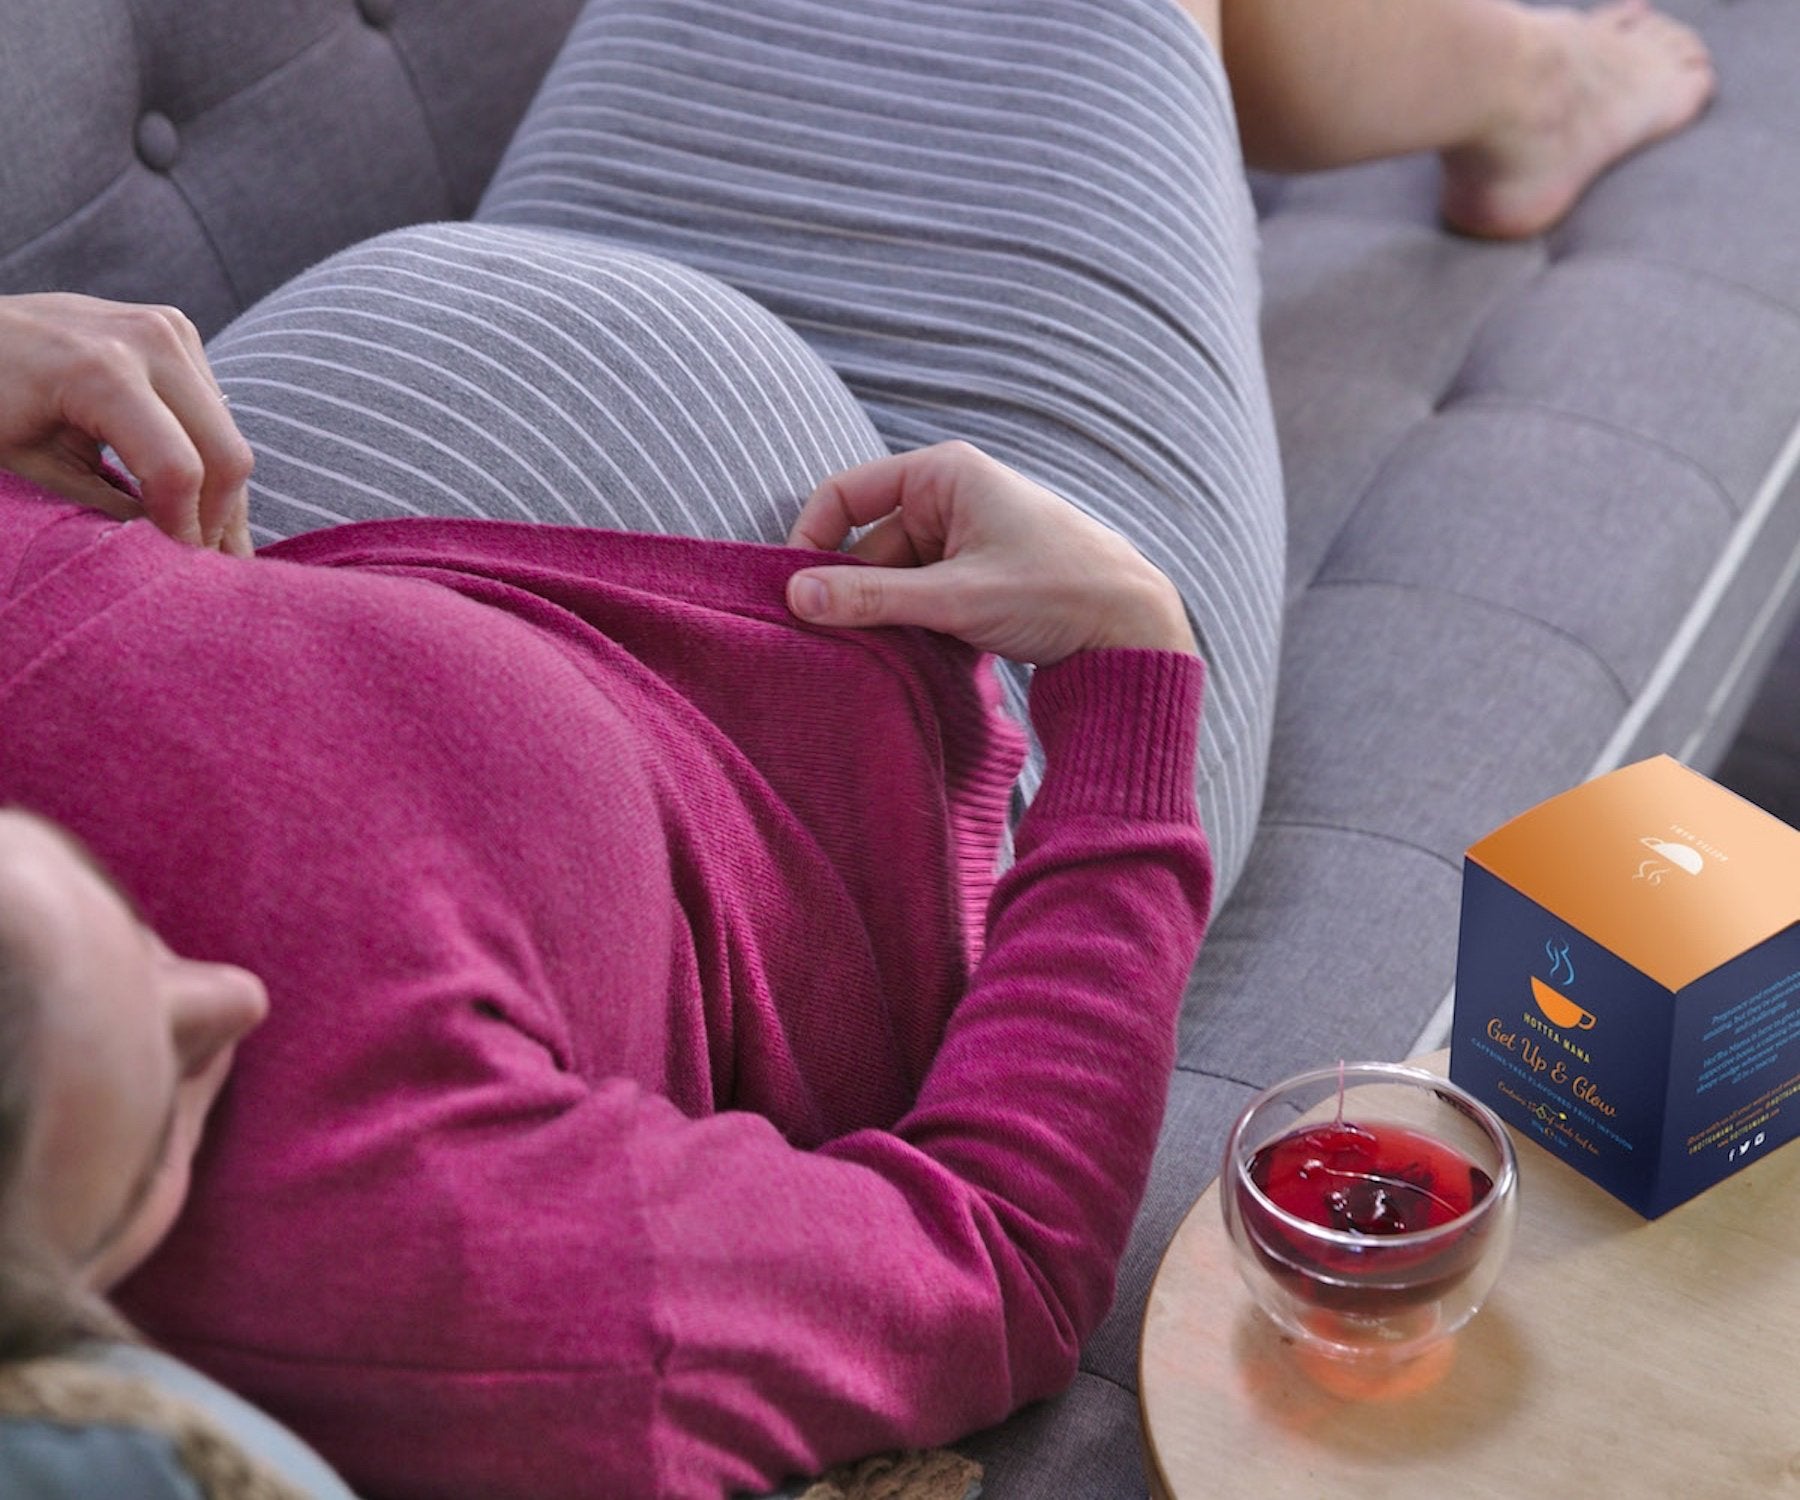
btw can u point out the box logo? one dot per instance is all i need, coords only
(1559, 1010)
(1668, 856)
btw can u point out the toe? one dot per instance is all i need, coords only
(1625, 14)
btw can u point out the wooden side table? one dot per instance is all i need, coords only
(1615, 1358)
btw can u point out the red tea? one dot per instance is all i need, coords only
(1372, 1182)
(1362, 1179)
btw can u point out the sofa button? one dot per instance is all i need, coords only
(377, 12)
(158, 144)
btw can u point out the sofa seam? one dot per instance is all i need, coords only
(438, 157)
(1626, 695)
(1432, 406)
(1448, 400)
(1320, 825)
(1117, 1384)
(1555, 256)
(1449, 404)
(1478, 400)
(234, 290)
(1378, 466)
(1242, 1083)
(1675, 268)
(88, 205)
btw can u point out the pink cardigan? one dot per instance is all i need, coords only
(660, 1097)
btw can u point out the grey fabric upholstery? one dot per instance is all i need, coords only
(1542, 504)
(1543, 519)
(1764, 761)
(200, 154)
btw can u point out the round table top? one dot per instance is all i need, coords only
(1614, 1357)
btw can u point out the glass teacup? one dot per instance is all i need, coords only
(1370, 1206)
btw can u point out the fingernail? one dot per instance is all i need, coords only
(808, 597)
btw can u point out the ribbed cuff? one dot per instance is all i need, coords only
(1120, 731)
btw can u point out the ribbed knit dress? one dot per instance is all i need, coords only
(660, 1096)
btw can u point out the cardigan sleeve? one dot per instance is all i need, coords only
(726, 1310)
(903, 1288)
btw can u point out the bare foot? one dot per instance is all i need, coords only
(1603, 83)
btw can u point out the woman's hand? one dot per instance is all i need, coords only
(968, 547)
(82, 374)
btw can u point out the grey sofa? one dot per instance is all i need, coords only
(1542, 500)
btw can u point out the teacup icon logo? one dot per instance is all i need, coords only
(1559, 1010)
(1669, 855)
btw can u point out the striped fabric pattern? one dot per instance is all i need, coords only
(735, 248)
(527, 375)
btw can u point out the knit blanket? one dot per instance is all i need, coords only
(78, 1393)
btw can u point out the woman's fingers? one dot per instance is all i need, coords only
(966, 546)
(236, 539)
(921, 483)
(197, 485)
(133, 378)
(888, 544)
(863, 596)
(154, 445)
(223, 459)
(78, 483)
(848, 500)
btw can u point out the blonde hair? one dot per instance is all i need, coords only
(44, 1308)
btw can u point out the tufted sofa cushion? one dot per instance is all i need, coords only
(199, 155)
(1543, 519)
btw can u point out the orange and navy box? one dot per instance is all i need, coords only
(1628, 981)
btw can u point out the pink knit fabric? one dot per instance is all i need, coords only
(640, 1113)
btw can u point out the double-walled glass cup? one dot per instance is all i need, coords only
(1364, 1286)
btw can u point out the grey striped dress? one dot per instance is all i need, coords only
(734, 248)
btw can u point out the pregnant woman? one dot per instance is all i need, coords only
(660, 1089)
